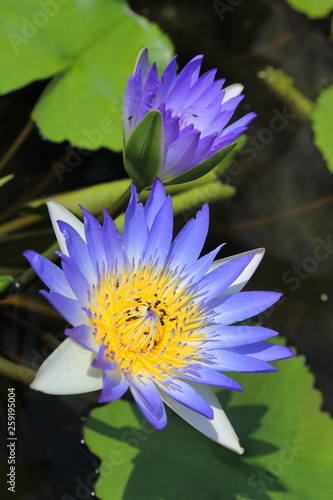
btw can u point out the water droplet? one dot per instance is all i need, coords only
(82, 441)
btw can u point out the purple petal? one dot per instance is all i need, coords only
(204, 147)
(104, 360)
(264, 351)
(132, 100)
(84, 336)
(187, 245)
(113, 243)
(204, 375)
(228, 361)
(241, 281)
(146, 104)
(142, 66)
(215, 282)
(201, 266)
(171, 128)
(156, 417)
(242, 305)
(114, 385)
(232, 336)
(78, 251)
(70, 309)
(244, 121)
(76, 279)
(94, 235)
(167, 78)
(199, 88)
(180, 154)
(49, 273)
(148, 391)
(135, 229)
(186, 395)
(179, 93)
(192, 70)
(155, 201)
(207, 108)
(160, 235)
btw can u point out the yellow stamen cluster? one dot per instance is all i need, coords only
(149, 323)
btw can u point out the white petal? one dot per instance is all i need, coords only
(58, 212)
(232, 91)
(243, 278)
(219, 428)
(68, 371)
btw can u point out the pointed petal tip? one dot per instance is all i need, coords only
(30, 255)
(218, 429)
(158, 425)
(58, 212)
(34, 385)
(239, 449)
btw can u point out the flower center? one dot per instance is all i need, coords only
(147, 321)
(140, 326)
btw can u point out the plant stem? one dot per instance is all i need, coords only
(16, 372)
(16, 144)
(119, 205)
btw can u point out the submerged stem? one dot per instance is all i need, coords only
(16, 144)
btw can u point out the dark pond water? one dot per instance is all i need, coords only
(283, 203)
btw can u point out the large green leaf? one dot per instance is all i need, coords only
(322, 125)
(317, 8)
(288, 446)
(90, 48)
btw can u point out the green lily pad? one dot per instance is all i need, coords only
(288, 446)
(322, 125)
(319, 8)
(90, 48)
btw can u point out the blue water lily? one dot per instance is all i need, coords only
(148, 314)
(178, 126)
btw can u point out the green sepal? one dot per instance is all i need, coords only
(144, 150)
(203, 167)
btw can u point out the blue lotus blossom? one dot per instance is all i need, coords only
(148, 314)
(195, 111)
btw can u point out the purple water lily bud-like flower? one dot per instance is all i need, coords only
(178, 126)
(150, 315)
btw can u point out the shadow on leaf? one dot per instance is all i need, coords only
(180, 462)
